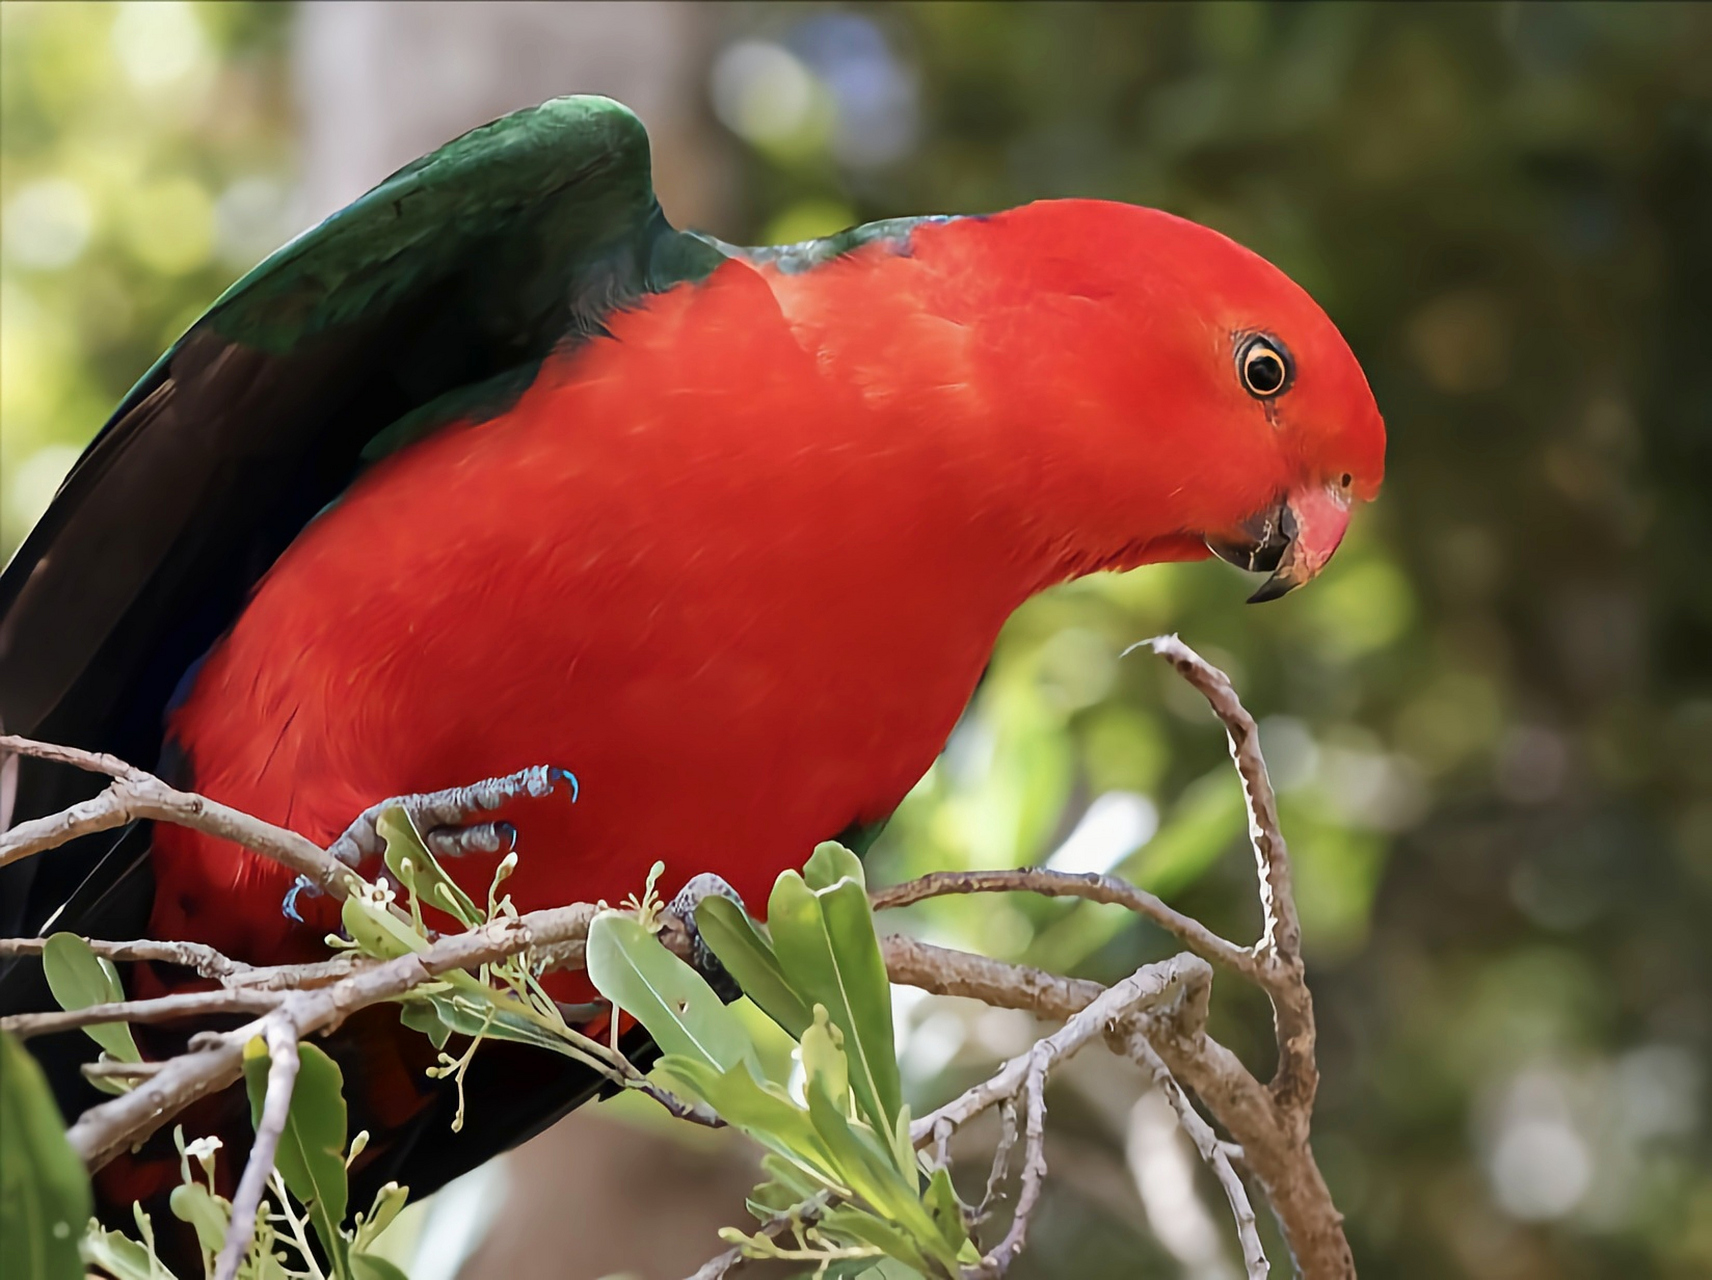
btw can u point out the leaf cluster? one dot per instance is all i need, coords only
(301, 1231)
(843, 1183)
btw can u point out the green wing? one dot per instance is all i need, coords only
(435, 295)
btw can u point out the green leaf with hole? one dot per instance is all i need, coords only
(629, 966)
(749, 958)
(44, 1190)
(825, 942)
(311, 1155)
(78, 979)
(946, 1210)
(377, 932)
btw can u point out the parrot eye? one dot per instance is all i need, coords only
(1265, 367)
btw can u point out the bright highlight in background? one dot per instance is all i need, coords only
(1115, 826)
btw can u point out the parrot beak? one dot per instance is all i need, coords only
(1292, 540)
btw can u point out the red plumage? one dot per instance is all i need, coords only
(740, 564)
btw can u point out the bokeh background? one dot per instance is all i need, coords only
(1491, 720)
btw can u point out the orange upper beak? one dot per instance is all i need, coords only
(1293, 539)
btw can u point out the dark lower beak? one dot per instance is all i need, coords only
(1291, 540)
(1259, 542)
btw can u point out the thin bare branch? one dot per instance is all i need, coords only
(998, 1260)
(1280, 947)
(1094, 888)
(276, 1107)
(88, 761)
(1157, 1016)
(961, 973)
(1277, 1155)
(207, 962)
(1282, 933)
(1147, 987)
(187, 1004)
(1025, 1076)
(136, 795)
(111, 1069)
(105, 1130)
(1211, 1149)
(1001, 1159)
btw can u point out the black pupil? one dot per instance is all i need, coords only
(1265, 372)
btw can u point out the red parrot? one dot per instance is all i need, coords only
(494, 469)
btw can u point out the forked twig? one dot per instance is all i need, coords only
(135, 794)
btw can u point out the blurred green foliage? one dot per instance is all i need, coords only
(141, 155)
(1491, 720)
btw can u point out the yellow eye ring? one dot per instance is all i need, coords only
(1265, 367)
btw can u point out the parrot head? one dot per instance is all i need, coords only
(1225, 410)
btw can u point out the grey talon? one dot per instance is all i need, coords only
(683, 907)
(441, 816)
(483, 837)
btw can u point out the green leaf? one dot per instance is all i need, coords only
(867, 1166)
(749, 958)
(79, 978)
(946, 1209)
(831, 862)
(377, 932)
(389, 1202)
(786, 1185)
(760, 1109)
(311, 1150)
(117, 1254)
(630, 967)
(850, 1224)
(106, 1084)
(425, 876)
(370, 1266)
(423, 1016)
(903, 1150)
(44, 1191)
(824, 1061)
(191, 1202)
(825, 942)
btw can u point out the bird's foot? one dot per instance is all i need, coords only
(683, 909)
(442, 819)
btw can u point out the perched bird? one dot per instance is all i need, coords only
(495, 469)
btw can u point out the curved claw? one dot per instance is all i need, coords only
(288, 907)
(564, 775)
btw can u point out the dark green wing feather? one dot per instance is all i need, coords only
(435, 295)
